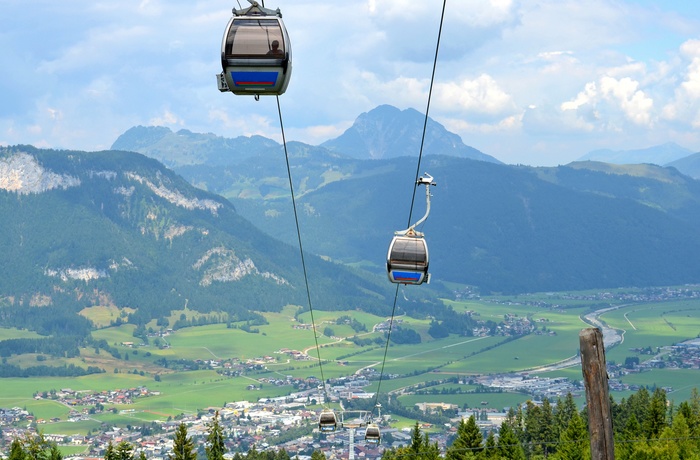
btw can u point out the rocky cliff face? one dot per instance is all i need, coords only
(21, 173)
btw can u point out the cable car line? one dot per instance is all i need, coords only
(427, 110)
(256, 59)
(301, 249)
(417, 182)
(249, 69)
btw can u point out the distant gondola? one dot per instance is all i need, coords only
(372, 434)
(256, 54)
(407, 259)
(327, 422)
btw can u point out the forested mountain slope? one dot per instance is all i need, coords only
(117, 228)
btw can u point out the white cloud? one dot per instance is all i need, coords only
(167, 118)
(480, 96)
(685, 107)
(587, 96)
(613, 98)
(635, 104)
(600, 72)
(315, 135)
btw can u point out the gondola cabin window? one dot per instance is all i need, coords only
(255, 38)
(409, 251)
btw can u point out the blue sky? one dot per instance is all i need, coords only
(531, 82)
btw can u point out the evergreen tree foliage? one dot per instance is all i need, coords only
(16, 451)
(215, 447)
(564, 410)
(183, 447)
(35, 447)
(124, 451)
(468, 441)
(110, 453)
(508, 445)
(490, 451)
(573, 442)
(420, 447)
(655, 420)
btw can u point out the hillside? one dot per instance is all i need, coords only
(502, 228)
(689, 165)
(509, 229)
(117, 228)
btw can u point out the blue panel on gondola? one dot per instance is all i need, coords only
(254, 79)
(406, 276)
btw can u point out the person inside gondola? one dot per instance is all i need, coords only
(275, 50)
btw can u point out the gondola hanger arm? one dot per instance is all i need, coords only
(426, 180)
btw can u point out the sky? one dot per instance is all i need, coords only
(531, 82)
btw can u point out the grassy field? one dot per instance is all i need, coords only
(654, 325)
(7, 333)
(473, 401)
(646, 325)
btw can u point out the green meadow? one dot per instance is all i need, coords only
(498, 401)
(652, 325)
(7, 333)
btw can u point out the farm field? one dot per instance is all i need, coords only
(498, 401)
(653, 324)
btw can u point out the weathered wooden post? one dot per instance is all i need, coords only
(595, 377)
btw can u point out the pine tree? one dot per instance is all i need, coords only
(490, 450)
(416, 439)
(468, 441)
(573, 442)
(318, 455)
(215, 447)
(655, 421)
(55, 453)
(548, 436)
(420, 447)
(110, 454)
(35, 447)
(508, 445)
(16, 451)
(563, 412)
(183, 447)
(430, 451)
(125, 451)
(630, 436)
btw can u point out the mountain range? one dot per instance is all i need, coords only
(501, 228)
(216, 230)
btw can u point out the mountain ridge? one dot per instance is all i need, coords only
(118, 227)
(394, 130)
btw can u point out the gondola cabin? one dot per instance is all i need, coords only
(372, 434)
(327, 422)
(407, 259)
(256, 55)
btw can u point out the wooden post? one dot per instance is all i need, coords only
(595, 377)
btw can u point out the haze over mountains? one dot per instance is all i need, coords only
(500, 227)
(116, 227)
